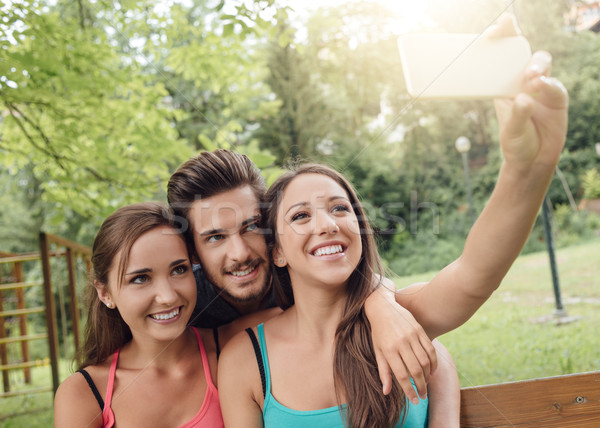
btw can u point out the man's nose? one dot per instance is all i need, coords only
(238, 249)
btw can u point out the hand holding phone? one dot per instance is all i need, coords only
(463, 66)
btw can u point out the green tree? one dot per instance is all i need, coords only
(302, 120)
(94, 132)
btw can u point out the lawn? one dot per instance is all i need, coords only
(507, 339)
(504, 340)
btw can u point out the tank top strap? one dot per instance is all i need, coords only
(108, 417)
(265, 358)
(205, 365)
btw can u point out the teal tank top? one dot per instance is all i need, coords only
(276, 415)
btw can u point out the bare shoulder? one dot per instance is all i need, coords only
(226, 332)
(238, 349)
(240, 386)
(75, 404)
(238, 362)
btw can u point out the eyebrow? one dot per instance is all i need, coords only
(147, 270)
(221, 231)
(304, 203)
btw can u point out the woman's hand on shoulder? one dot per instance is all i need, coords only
(401, 345)
(75, 404)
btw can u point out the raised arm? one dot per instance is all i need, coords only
(533, 129)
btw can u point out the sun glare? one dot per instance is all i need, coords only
(410, 14)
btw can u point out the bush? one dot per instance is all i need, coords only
(591, 184)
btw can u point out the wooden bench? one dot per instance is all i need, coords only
(560, 401)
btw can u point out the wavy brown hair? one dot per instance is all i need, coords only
(355, 367)
(105, 330)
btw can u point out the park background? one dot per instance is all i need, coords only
(102, 100)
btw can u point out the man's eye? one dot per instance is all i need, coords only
(214, 238)
(180, 270)
(252, 227)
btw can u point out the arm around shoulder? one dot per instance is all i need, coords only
(75, 405)
(240, 388)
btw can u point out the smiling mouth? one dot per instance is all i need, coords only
(325, 251)
(166, 316)
(243, 272)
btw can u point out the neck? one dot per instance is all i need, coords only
(246, 308)
(318, 311)
(142, 352)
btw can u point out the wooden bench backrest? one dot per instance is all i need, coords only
(561, 401)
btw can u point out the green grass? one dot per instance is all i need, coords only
(30, 410)
(504, 340)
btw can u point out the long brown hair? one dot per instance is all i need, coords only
(105, 330)
(355, 367)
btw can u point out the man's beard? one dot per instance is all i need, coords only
(253, 296)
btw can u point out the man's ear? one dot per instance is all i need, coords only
(104, 294)
(278, 258)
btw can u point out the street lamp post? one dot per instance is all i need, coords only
(463, 145)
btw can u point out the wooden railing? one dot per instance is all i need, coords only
(12, 293)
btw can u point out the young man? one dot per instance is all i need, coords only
(217, 198)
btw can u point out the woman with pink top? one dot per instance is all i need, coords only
(141, 364)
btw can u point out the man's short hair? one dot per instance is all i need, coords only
(209, 174)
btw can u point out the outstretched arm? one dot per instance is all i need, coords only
(533, 129)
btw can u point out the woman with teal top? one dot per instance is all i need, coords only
(325, 266)
(316, 365)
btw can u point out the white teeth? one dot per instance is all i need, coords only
(168, 316)
(333, 249)
(243, 272)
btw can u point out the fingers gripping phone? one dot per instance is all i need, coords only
(463, 66)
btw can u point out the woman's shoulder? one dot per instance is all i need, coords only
(75, 403)
(238, 369)
(228, 331)
(237, 347)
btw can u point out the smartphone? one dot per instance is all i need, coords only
(463, 66)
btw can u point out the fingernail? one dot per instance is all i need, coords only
(536, 68)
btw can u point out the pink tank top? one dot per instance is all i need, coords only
(208, 416)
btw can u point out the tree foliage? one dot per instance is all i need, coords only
(102, 100)
(95, 132)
